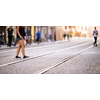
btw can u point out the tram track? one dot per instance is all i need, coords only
(6, 64)
(43, 71)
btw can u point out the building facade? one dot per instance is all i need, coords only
(98, 28)
(85, 31)
(4, 29)
(53, 32)
(47, 32)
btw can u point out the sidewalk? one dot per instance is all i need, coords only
(44, 43)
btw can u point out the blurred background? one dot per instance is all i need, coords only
(50, 33)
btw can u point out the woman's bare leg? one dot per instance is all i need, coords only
(18, 50)
(23, 47)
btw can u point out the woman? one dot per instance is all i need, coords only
(20, 38)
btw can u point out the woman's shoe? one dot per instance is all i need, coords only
(17, 57)
(25, 56)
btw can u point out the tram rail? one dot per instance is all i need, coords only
(6, 64)
(62, 61)
(43, 71)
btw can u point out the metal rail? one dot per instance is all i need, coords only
(62, 61)
(42, 55)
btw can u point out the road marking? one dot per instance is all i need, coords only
(62, 61)
(42, 55)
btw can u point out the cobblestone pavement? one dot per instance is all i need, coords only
(33, 65)
(87, 62)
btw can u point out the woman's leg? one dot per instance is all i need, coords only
(18, 50)
(23, 47)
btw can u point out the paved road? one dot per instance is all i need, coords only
(83, 63)
(87, 62)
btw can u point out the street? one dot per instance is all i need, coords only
(67, 57)
(49, 50)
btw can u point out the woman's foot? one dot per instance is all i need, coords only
(17, 57)
(25, 56)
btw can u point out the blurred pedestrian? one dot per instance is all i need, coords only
(55, 36)
(49, 36)
(0, 34)
(0, 37)
(38, 36)
(95, 33)
(64, 35)
(10, 31)
(68, 37)
(13, 39)
(3, 36)
(20, 38)
(28, 35)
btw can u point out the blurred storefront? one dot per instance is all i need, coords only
(43, 33)
(59, 33)
(98, 28)
(42, 30)
(66, 29)
(84, 31)
(53, 33)
(14, 33)
(32, 32)
(4, 29)
(74, 31)
(47, 32)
